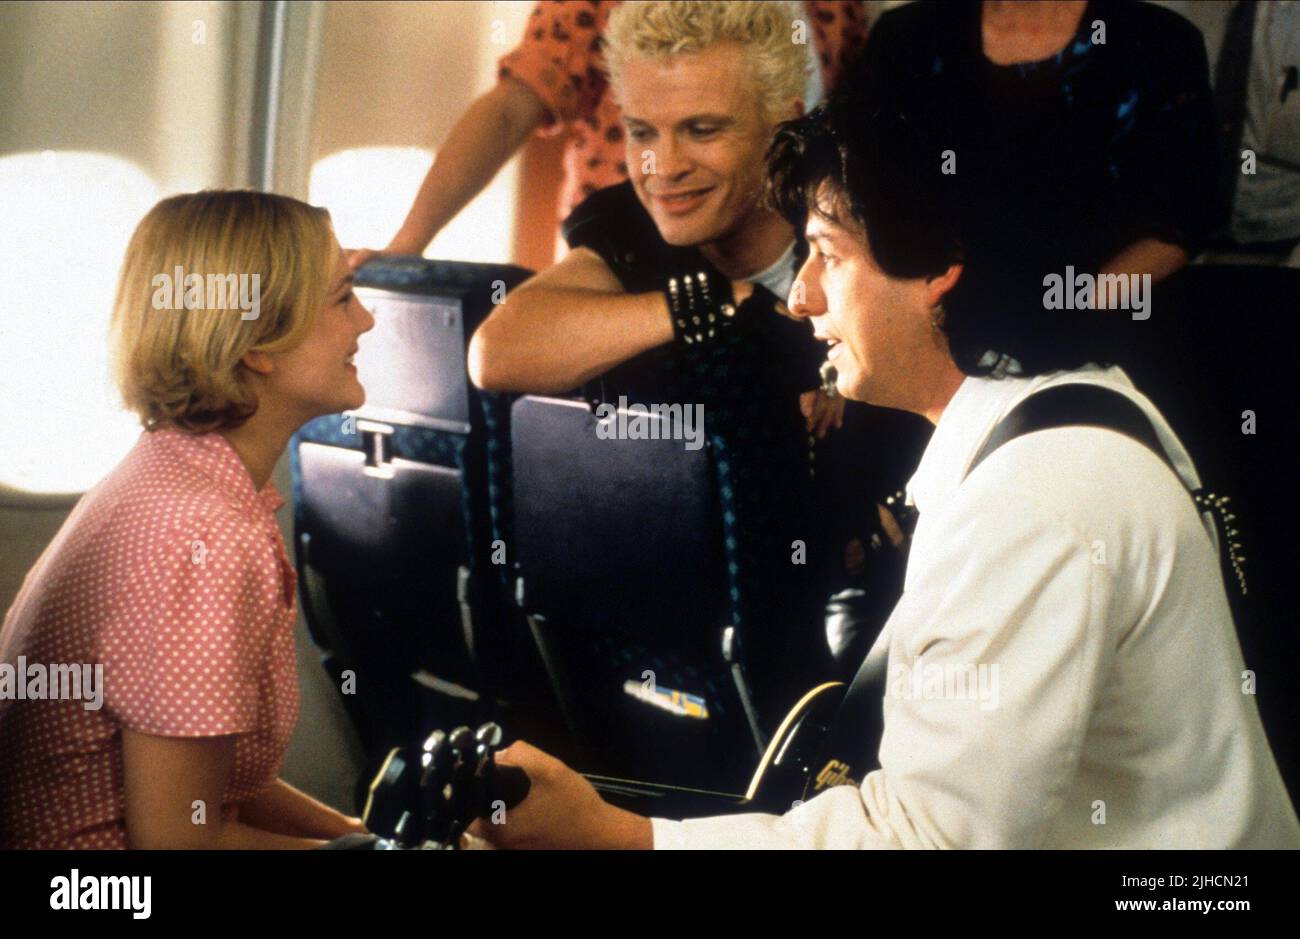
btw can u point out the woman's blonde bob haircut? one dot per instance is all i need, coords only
(767, 29)
(181, 367)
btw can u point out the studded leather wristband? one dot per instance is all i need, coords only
(702, 306)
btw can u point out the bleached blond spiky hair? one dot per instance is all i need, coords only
(766, 29)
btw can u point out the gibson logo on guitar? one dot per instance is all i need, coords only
(834, 773)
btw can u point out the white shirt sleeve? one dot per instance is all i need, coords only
(998, 648)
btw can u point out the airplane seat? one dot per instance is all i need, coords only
(778, 534)
(500, 485)
(391, 511)
(365, 548)
(622, 573)
(772, 580)
(509, 653)
(1218, 349)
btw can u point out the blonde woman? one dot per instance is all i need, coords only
(170, 579)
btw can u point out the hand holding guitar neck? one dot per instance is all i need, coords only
(481, 785)
(435, 798)
(460, 782)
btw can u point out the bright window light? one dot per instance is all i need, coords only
(68, 218)
(368, 191)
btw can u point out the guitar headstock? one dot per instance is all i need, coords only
(436, 792)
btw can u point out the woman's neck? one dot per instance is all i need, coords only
(260, 441)
(1028, 30)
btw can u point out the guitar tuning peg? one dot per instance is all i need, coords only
(489, 734)
(462, 738)
(434, 741)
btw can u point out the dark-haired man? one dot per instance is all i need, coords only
(1063, 668)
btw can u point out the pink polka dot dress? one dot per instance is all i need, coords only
(172, 575)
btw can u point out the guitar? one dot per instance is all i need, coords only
(427, 798)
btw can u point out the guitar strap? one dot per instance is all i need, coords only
(852, 743)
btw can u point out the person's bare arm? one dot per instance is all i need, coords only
(1147, 256)
(164, 779)
(569, 324)
(485, 137)
(288, 811)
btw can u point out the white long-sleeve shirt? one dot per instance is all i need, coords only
(1072, 578)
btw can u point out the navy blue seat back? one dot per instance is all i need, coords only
(392, 522)
(624, 576)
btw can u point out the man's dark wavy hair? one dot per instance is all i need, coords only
(885, 182)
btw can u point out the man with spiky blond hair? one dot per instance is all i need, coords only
(702, 86)
(676, 279)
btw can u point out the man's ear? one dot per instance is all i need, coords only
(938, 285)
(258, 362)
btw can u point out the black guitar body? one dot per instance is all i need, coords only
(795, 767)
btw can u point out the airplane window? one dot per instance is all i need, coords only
(368, 191)
(69, 215)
